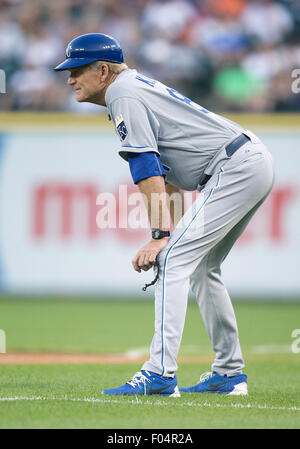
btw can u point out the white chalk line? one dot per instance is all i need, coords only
(137, 401)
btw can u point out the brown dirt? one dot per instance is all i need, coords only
(35, 358)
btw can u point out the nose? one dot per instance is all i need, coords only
(70, 81)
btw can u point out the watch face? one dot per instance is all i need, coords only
(156, 234)
(159, 234)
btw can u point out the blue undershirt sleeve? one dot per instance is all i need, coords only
(145, 165)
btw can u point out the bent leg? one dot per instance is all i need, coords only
(215, 305)
(232, 194)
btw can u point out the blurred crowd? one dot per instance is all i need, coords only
(228, 55)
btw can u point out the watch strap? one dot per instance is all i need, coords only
(159, 234)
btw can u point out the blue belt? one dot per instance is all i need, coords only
(230, 149)
(236, 144)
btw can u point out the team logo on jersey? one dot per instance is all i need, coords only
(121, 127)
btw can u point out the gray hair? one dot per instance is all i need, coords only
(113, 66)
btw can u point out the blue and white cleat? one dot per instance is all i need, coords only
(148, 383)
(214, 383)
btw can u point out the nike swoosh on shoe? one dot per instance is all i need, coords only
(158, 390)
(215, 386)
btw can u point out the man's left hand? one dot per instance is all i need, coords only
(146, 256)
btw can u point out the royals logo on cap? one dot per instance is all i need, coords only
(68, 51)
(121, 127)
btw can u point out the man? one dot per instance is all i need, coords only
(173, 144)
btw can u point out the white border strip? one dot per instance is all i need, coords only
(137, 401)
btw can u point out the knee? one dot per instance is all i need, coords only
(198, 278)
(204, 275)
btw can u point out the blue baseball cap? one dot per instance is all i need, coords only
(89, 48)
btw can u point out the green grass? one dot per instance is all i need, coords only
(118, 326)
(69, 396)
(63, 390)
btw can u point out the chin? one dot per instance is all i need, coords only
(80, 98)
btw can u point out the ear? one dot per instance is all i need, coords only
(104, 72)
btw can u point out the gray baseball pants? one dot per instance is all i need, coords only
(197, 247)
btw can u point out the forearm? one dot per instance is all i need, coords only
(175, 202)
(153, 189)
(154, 193)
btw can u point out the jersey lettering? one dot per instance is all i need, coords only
(186, 100)
(178, 96)
(146, 80)
(173, 92)
(201, 109)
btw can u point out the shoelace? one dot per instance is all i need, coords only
(205, 376)
(138, 379)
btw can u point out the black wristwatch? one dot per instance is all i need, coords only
(159, 234)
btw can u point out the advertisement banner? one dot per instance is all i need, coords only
(71, 217)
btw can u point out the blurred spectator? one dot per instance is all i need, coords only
(43, 48)
(227, 55)
(266, 21)
(166, 17)
(220, 35)
(226, 8)
(238, 90)
(12, 43)
(32, 86)
(267, 60)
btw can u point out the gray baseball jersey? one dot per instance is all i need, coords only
(150, 116)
